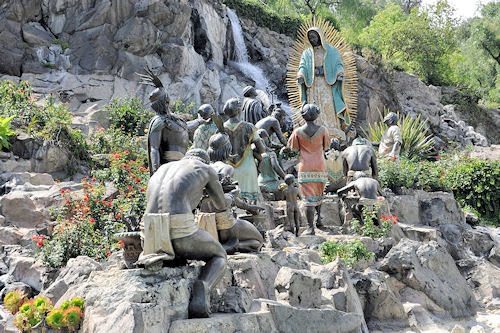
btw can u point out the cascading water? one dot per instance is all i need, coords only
(241, 54)
(241, 58)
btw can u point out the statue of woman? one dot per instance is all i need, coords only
(311, 140)
(320, 76)
(269, 168)
(242, 136)
(235, 234)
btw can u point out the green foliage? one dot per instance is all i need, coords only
(55, 319)
(5, 132)
(42, 304)
(477, 62)
(393, 175)
(33, 311)
(368, 228)
(88, 221)
(419, 43)
(86, 224)
(476, 183)
(182, 108)
(111, 140)
(13, 300)
(264, 16)
(350, 252)
(353, 17)
(417, 143)
(128, 115)
(46, 120)
(72, 317)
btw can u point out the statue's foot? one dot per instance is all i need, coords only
(319, 223)
(309, 231)
(231, 246)
(199, 307)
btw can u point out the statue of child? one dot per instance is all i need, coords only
(291, 193)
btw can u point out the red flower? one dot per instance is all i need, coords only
(142, 189)
(61, 191)
(133, 176)
(385, 218)
(39, 243)
(86, 198)
(126, 152)
(137, 181)
(394, 222)
(108, 254)
(120, 244)
(361, 232)
(437, 156)
(109, 204)
(118, 216)
(129, 187)
(92, 220)
(117, 155)
(93, 179)
(67, 201)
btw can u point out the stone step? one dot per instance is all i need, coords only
(254, 322)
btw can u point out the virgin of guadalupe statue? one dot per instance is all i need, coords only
(322, 71)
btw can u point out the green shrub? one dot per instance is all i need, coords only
(349, 252)
(264, 17)
(46, 120)
(404, 173)
(128, 115)
(432, 175)
(476, 183)
(112, 140)
(5, 132)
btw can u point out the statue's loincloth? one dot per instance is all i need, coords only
(159, 230)
(225, 220)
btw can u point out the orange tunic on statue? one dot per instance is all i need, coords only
(312, 174)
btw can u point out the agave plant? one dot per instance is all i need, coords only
(417, 142)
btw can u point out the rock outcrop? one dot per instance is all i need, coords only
(88, 53)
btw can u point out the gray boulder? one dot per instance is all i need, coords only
(134, 300)
(76, 271)
(427, 267)
(298, 288)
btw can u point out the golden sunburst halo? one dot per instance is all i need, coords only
(350, 83)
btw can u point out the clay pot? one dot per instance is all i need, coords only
(132, 247)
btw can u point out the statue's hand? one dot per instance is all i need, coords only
(300, 80)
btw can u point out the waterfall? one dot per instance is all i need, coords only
(241, 59)
(241, 54)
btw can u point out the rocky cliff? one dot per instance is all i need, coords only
(88, 52)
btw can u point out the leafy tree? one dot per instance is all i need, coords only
(420, 42)
(476, 66)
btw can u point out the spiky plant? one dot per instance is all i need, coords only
(417, 142)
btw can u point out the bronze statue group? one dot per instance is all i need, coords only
(244, 155)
